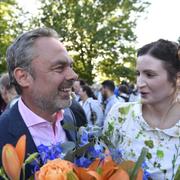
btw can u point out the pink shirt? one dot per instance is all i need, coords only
(40, 129)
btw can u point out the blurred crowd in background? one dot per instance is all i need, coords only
(96, 100)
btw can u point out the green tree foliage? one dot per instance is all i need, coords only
(98, 32)
(9, 27)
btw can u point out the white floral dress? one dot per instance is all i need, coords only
(129, 132)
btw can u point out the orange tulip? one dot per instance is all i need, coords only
(13, 158)
(86, 173)
(120, 174)
(11, 162)
(21, 148)
(55, 169)
(140, 174)
(128, 167)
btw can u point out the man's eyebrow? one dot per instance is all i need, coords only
(63, 61)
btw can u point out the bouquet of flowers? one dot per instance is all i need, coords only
(90, 160)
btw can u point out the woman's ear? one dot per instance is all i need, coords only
(23, 77)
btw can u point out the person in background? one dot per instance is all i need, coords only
(91, 106)
(76, 88)
(2, 105)
(116, 91)
(109, 98)
(153, 122)
(78, 113)
(123, 93)
(134, 95)
(8, 91)
(41, 71)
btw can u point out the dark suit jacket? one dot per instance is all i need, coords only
(12, 127)
(79, 113)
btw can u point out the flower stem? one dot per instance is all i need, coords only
(23, 171)
(138, 163)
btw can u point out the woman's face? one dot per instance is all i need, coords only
(152, 80)
(82, 94)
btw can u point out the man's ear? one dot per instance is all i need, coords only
(23, 78)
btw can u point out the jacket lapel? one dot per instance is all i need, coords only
(69, 124)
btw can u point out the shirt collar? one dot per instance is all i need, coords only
(110, 98)
(173, 131)
(31, 119)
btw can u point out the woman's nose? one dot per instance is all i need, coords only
(140, 82)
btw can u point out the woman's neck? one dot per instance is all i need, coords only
(84, 99)
(161, 115)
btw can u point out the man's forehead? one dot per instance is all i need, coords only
(49, 43)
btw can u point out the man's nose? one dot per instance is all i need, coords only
(71, 75)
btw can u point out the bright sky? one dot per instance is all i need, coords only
(161, 20)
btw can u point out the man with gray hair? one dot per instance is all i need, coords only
(41, 71)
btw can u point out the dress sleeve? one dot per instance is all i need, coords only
(114, 122)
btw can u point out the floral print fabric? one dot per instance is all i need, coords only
(129, 132)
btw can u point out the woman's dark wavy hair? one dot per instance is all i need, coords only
(88, 91)
(167, 51)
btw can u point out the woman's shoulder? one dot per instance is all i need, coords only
(119, 106)
(123, 111)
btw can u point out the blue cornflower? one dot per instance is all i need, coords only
(116, 155)
(96, 151)
(146, 174)
(82, 162)
(56, 151)
(49, 152)
(84, 138)
(36, 165)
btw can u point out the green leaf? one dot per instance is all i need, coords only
(3, 174)
(177, 176)
(160, 154)
(149, 143)
(68, 146)
(124, 110)
(71, 176)
(31, 158)
(99, 170)
(149, 156)
(78, 152)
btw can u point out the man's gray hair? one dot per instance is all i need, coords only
(22, 52)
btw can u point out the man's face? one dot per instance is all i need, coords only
(53, 76)
(76, 87)
(104, 92)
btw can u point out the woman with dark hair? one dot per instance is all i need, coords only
(154, 122)
(91, 106)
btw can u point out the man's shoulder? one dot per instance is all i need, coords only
(4, 119)
(7, 118)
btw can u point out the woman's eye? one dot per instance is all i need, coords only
(137, 73)
(150, 75)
